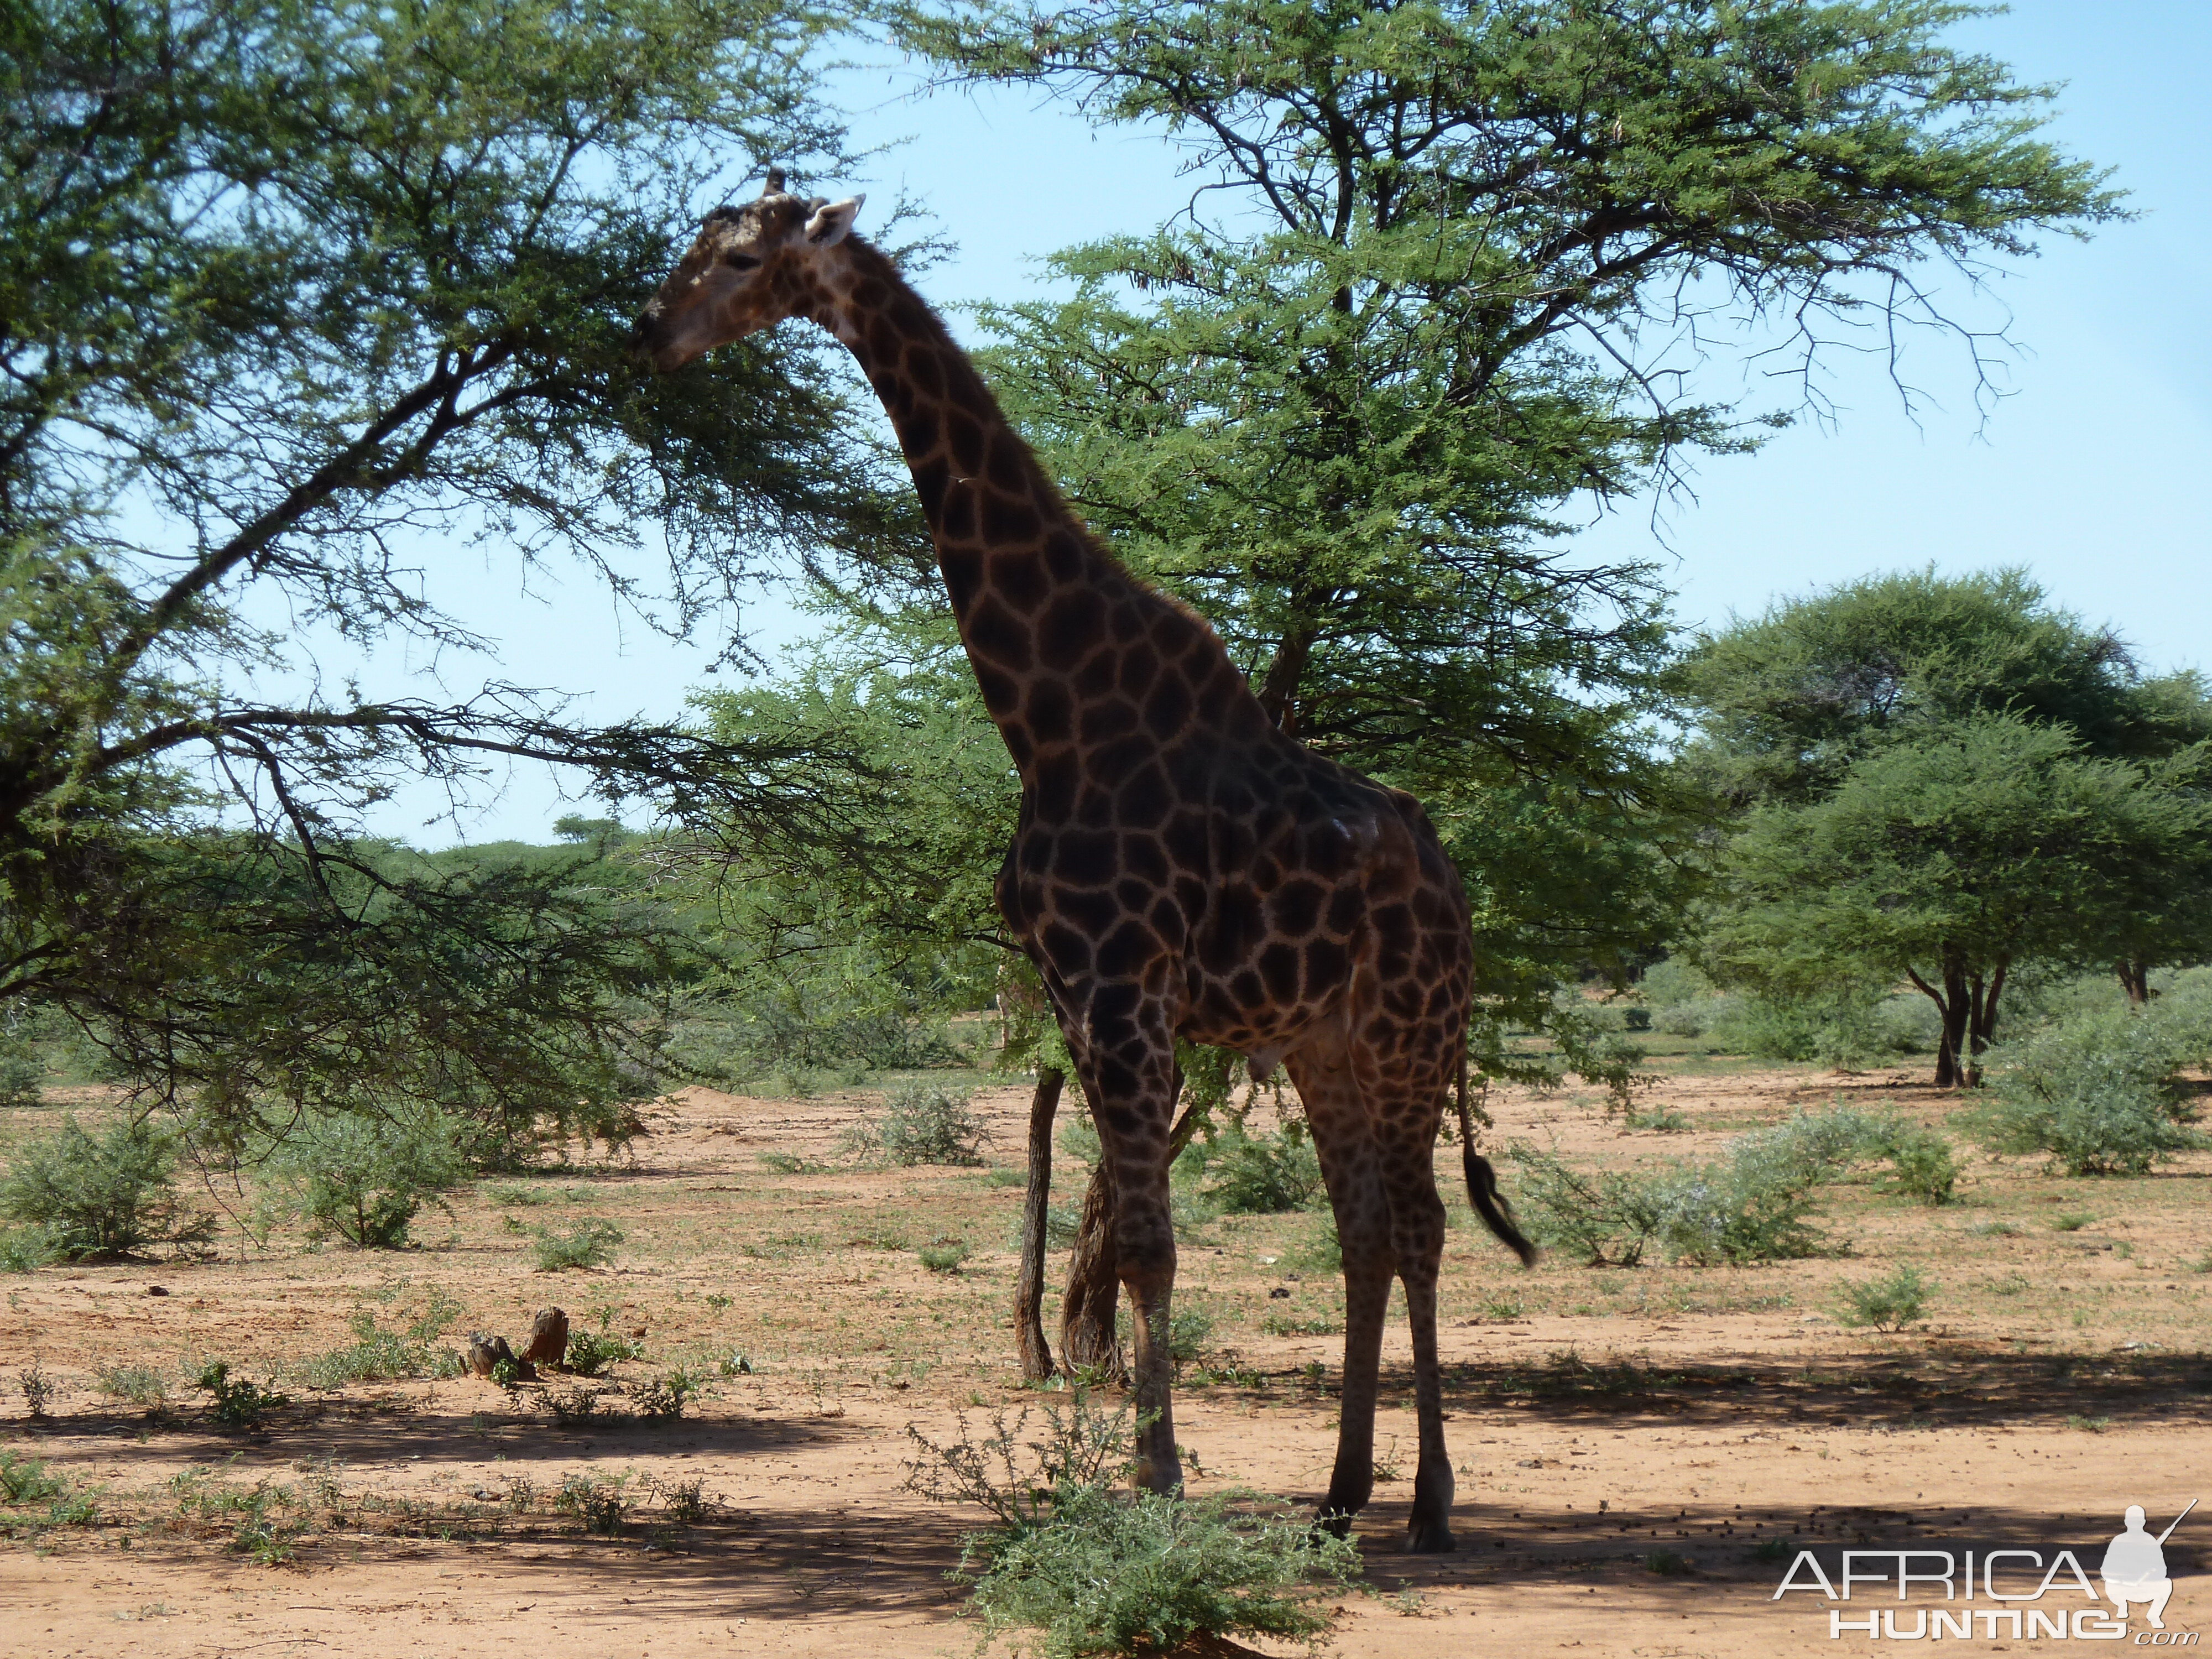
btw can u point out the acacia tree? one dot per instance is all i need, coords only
(1444, 269)
(1791, 705)
(295, 297)
(1949, 857)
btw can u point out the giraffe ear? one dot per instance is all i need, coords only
(833, 221)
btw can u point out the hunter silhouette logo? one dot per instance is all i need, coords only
(2135, 1567)
(1998, 1589)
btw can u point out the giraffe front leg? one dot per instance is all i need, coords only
(1128, 1055)
(1144, 1243)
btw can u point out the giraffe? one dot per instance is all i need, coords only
(1181, 867)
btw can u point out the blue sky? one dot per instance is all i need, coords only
(2091, 473)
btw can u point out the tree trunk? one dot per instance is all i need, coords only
(2134, 979)
(1983, 1029)
(1094, 1286)
(1028, 1286)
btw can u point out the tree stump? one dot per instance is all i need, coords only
(486, 1352)
(1028, 1289)
(549, 1337)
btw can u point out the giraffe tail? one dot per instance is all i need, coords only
(1482, 1181)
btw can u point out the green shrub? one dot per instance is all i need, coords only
(1603, 1219)
(1095, 1572)
(135, 1385)
(22, 1072)
(598, 1505)
(1263, 1174)
(366, 1178)
(1847, 1028)
(923, 1123)
(1188, 1331)
(376, 1354)
(2099, 1093)
(942, 1258)
(1922, 1165)
(664, 1398)
(1110, 1573)
(1751, 1205)
(25, 1249)
(24, 1480)
(591, 1245)
(1887, 1304)
(590, 1353)
(1672, 983)
(101, 1195)
(240, 1404)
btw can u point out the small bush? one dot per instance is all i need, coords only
(2071, 1221)
(1921, 1164)
(591, 1245)
(22, 1072)
(135, 1385)
(590, 1353)
(1295, 1325)
(366, 1178)
(923, 1123)
(1662, 1119)
(25, 1249)
(1888, 1304)
(2098, 1093)
(1604, 1220)
(1144, 1574)
(1666, 1563)
(942, 1258)
(598, 1505)
(1188, 1331)
(101, 1195)
(240, 1404)
(377, 1354)
(38, 1388)
(1263, 1174)
(24, 1480)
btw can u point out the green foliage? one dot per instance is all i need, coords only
(135, 1385)
(923, 1123)
(1142, 1573)
(1091, 1571)
(1261, 1175)
(589, 1245)
(21, 1071)
(1188, 1332)
(598, 1504)
(239, 1404)
(292, 286)
(1921, 1164)
(1950, 781)
(1890, 1302)
(378, 1353)
(663, 1400)
(2099, 1093)
(590, 1353)
(107, 1195)
(366, 1178)
(26, 1249)
(942, 1258)
(1753, 1203)
(27, 1481)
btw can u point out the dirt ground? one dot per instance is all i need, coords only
(1626, 1439)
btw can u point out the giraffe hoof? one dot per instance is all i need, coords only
(1432, 1538)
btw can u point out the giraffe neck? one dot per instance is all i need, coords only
(1030, 587)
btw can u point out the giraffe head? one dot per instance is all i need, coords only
(751, 267)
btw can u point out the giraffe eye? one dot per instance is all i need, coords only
(742, 262)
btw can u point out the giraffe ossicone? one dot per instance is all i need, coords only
(1181, 867)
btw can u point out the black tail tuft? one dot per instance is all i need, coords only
(1490, 1204)
(1482, 1181)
